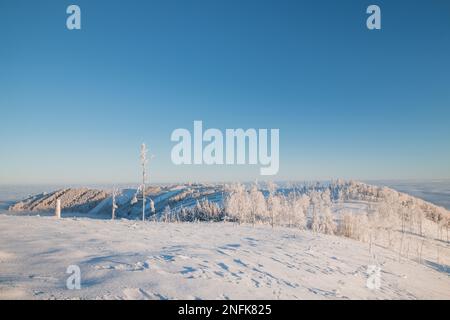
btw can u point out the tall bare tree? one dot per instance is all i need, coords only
(144, 162)
(114, 206)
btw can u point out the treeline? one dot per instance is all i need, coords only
(391, 219)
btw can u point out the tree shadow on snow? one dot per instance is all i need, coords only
(438, 267)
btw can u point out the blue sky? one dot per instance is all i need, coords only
(349, 102)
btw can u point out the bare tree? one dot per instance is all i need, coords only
(114, 206)
(144, 162)
(167, 214)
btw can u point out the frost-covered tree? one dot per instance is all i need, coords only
(273, 202)
(326, 198)
(207, 211)
(183, 214)
(326, 223)
(288, 211)
(353, 226)
(114, 205)
(316, 207)
(419, 218)
(274, 208)
(271, 187)
(322, 219)
(152, 207)
(345, 226)
(134, 200)
(387, 218)
(257, 204)
(299, 207)
(144, 162)
(167, 214)
(237, 203)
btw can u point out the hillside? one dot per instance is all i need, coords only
(134, 260)
(378, 216)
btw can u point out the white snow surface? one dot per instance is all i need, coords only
(126, 259)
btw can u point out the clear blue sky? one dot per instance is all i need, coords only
(349, 102)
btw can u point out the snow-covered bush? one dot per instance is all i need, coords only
(354, 226)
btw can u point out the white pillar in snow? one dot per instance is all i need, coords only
(58, 209)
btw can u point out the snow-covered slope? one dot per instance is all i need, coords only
(352, 196)
(97, 203)
(377, 216)
(135, 260)
(72, 200)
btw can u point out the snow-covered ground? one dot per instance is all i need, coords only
(126, 259)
